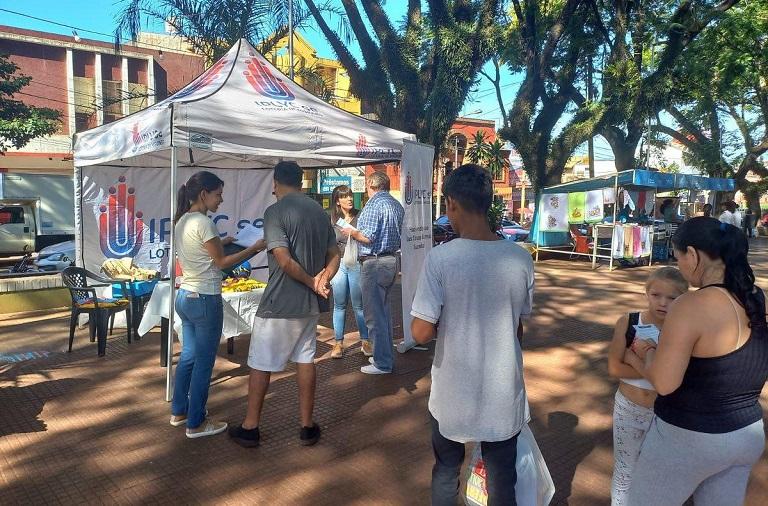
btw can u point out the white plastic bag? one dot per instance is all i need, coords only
(350, 253)
(534, 485)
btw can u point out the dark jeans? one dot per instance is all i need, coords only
(501, 473)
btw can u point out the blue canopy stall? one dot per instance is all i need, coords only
(578, 202)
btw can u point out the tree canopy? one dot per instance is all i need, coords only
(414, 73)
(19, 122)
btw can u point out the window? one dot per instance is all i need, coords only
(11, 215)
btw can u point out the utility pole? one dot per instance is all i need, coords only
(591, 141)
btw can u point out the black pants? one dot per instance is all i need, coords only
(499, 457)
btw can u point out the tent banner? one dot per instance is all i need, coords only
(416, 236)
(125, 212)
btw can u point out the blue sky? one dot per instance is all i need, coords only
(87, 19)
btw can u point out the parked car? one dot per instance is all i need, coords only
(442, 231)
(513, 231)
(56, 257)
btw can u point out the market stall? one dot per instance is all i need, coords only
(238, 119)
(611, 217)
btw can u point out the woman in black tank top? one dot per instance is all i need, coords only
(709, 369)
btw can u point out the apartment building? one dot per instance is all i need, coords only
(90, 84)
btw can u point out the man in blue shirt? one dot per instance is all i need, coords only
(378, 235)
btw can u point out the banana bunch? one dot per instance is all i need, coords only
(240, 285)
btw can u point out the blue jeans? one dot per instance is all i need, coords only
(377, 276)
(202, 318)
(500, 459)
(346, 285)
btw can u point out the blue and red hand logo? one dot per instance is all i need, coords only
(408, 189)
(121, 228)
(208, 77)
(261, 78)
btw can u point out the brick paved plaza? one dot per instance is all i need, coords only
(78, 429)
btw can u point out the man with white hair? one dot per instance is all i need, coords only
(378, 235)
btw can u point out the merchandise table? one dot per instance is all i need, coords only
(239, 313)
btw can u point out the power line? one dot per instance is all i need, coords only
(48, 85)
(85, 30)
(92, 109)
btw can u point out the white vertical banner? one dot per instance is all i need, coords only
(416, 237)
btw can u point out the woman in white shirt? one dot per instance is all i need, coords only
(200, 252)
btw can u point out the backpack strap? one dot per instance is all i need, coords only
(634, 318)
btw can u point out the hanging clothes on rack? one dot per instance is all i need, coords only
(617, 244)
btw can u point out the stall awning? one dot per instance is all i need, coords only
(645, 179)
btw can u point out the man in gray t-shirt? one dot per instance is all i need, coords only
(472, 294)
(303, 258)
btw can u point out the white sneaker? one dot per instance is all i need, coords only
(207, 428)
(371, 361)
(178, 421)
(372, 369)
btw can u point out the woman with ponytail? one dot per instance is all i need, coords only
(709, 369)
(200, 252)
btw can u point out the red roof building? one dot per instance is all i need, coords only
(90, 84)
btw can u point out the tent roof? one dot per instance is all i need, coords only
(240, 113)
(645, 179)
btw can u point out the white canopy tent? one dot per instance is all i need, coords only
(242, 114)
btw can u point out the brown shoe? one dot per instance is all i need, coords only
(338, 350)
(367, 348)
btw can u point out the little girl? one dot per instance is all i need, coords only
(633, 409)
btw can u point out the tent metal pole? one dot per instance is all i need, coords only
(290, 38)
(172, 271)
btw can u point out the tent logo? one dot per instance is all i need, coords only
(151, 137)
(210, 76)
(121, 228)
(366, 151)
(411, 194)
(263, 81)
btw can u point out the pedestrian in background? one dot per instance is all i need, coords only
(198, 302)
(731, 214)
(346, 282)
(378, 235)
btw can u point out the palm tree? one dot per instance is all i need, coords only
(213, 26)
(495, 160)
(478, 151)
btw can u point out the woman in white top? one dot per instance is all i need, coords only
(200, 252)
(633, 407)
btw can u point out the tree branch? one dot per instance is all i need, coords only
(687, 124)
(369, 49)
(497, 86)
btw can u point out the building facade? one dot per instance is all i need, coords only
(89, 84)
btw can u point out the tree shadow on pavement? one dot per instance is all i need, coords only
(22, 405)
